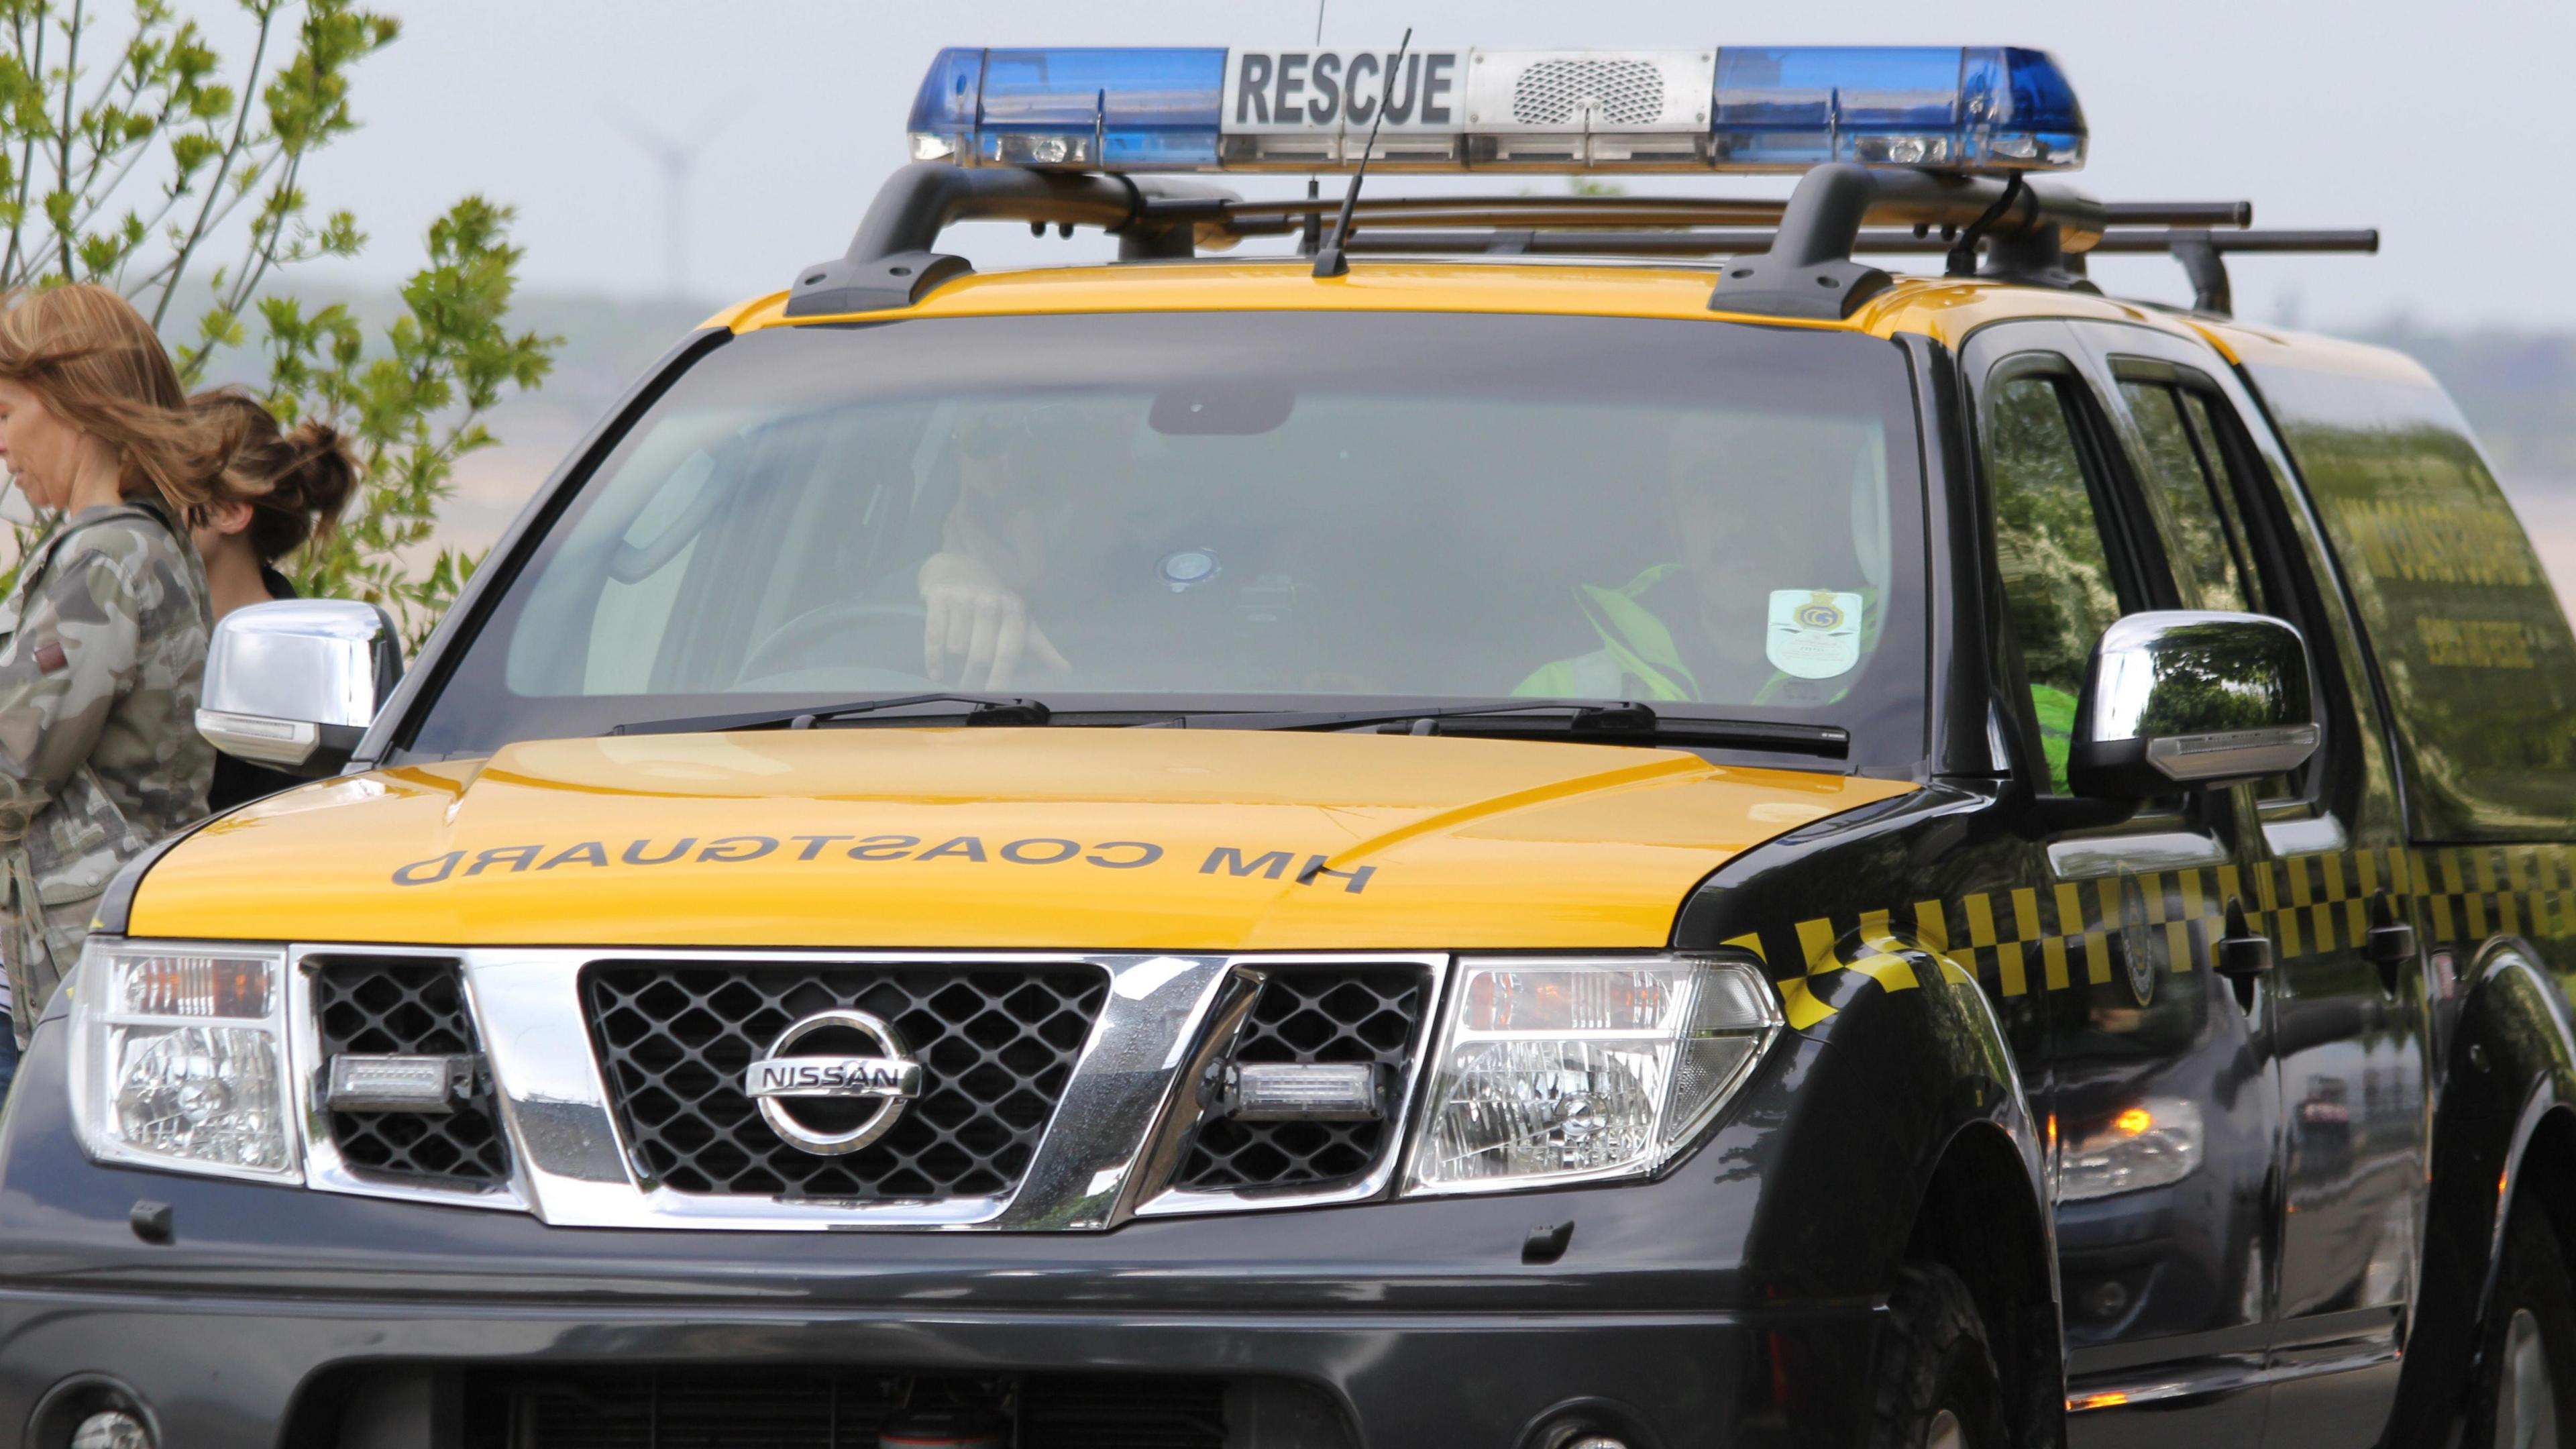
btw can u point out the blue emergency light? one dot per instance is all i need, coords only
(1736, 109)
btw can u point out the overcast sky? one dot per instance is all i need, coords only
(2439, 124)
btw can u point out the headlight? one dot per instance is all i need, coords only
(178, 1058)
(1555, 1071)
(2156, 1143)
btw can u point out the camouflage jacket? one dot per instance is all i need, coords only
(102, 648)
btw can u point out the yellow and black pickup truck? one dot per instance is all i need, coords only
(1531, 822)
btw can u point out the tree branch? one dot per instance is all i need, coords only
(35, 70)
(132, 77)
(257, 260)
(63, 135)
(223, 169)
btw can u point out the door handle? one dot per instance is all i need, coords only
(2243, 952)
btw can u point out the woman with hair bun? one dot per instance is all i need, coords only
(286, 488)
(103, 638)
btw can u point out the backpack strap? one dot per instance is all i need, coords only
(44, 561)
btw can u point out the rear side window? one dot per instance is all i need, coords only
(2470, 639)
(2186, 469)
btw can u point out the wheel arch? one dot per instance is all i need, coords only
(1973, 1193)
(1977, 1217)
(2504, 1130)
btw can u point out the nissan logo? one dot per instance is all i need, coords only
(885, 1077)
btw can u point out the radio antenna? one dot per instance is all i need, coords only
(1310, 233)
(1329, 261)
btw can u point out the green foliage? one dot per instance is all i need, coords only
(131, 155)
(409, 412)
(2057, 577)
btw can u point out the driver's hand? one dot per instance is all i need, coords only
(978, 631)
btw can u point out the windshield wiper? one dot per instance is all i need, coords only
(1586, 720)
(1606, 721)
(988, 709)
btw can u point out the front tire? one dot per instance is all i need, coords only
(1935, 1380)
(2526, 1387)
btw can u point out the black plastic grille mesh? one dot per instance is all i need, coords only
(995, 1045)
(1328, 1014)
(391, 1005)
(819, 1408)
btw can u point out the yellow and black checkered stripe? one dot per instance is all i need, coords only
(2034, 938)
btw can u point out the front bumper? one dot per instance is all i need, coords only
(1419, 1323)
(221, 1373)
(274, 1313)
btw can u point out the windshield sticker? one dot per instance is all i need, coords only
(1223, 860)
(1814, 634)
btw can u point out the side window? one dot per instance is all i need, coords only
(2049, 548)
(2205, 532)
(2215, 549)
(2474, 650)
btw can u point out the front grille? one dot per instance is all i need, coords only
(409, 1006)
(1311, 1014)
(827, 1408)
(996, 1045)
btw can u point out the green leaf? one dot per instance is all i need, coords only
(177, 168)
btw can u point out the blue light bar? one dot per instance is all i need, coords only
(1793, 107)
(1731, 109)
(1085, 109)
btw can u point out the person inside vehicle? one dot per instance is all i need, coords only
(1762, 597)
(103, 637)
(286, 488)
(1040, 503)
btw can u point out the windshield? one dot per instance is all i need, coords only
(1202, 511)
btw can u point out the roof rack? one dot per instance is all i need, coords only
(1791, 258)
(2201, 250)
(891, 261)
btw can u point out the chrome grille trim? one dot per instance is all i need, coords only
(1105, 1156)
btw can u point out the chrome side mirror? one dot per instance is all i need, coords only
(294, 684)
(2191, 700)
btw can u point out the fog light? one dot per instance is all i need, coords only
(397, 1083)
(1302, 1092)
(111, 1429)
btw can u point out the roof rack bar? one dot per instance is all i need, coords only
(1633, 210)
(2178, 213)
(892, 262)
(2359, 239)
(1883, 241)
(1274, 218)
(2201, 251)
(1543, 210)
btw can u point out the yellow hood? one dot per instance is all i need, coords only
(1097, 839)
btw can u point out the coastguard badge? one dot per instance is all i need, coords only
(1813, 633)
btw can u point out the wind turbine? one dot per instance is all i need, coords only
(677, 157)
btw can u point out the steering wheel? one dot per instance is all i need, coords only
(866, 632)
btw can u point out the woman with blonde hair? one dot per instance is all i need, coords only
(103, 639)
